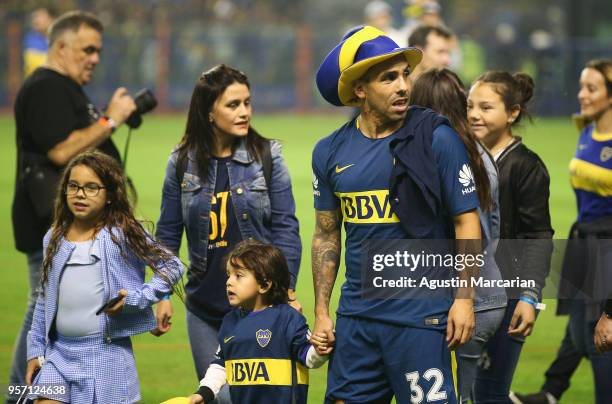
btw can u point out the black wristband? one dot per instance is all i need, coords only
(206, 393)
(608, 308)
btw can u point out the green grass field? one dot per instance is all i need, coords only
(165, 364)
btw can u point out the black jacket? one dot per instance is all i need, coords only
(525, 217)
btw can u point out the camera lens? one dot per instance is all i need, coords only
(145, 101)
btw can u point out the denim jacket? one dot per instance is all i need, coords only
(266, 215)
(490, 298)
(118, 273)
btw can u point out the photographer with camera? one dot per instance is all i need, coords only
(55, 121)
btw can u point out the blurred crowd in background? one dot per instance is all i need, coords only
(165, 44)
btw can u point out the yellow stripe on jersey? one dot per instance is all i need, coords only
(601, 137)
(367, 207)
(302, 374)
(590, 177)
(454, 373)
(272, 372)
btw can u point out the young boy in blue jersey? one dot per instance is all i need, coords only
(264, 349)
(393, 172)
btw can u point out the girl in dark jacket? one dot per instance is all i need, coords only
(496, 104)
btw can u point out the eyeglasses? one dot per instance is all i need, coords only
(90, 189)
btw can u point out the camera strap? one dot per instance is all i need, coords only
(126, 148)
(129, 183)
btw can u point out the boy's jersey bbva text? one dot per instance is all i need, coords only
(264, 354)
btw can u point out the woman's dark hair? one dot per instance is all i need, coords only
(514, 89)
(199, 137)
(117, 213)
(603, 66)
(443, 91)
(267, 263)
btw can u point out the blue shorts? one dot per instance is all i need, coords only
(372, 361)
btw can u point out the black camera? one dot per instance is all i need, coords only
(145, 102)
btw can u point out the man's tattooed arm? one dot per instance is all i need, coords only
(326, 249)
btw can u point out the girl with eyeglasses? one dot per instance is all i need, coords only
(94, 296)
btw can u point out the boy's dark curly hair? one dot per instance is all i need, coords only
(267, 263)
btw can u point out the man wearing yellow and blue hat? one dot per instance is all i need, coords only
(389, 174)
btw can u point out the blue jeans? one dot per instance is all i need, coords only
(498, 363)
(18, 368)
(204, 341)
(581, 331)
(487, 323)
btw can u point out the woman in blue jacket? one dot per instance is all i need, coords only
(224, 183)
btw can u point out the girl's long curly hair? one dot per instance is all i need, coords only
(118, 213)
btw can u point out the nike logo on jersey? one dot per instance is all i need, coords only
(228, 339)
(340, 169)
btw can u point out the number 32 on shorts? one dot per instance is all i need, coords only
(434, 393)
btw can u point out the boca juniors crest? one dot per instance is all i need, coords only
(263, 337)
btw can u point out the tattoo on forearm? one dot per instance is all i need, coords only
(325, 255)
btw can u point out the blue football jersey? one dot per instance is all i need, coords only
(264, 355)
(591, 175)
(352, 172)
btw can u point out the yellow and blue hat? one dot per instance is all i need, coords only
(361, 48)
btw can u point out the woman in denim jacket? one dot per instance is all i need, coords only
(215, 189)
(443, 91)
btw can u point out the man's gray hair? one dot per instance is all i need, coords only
(72, 21)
